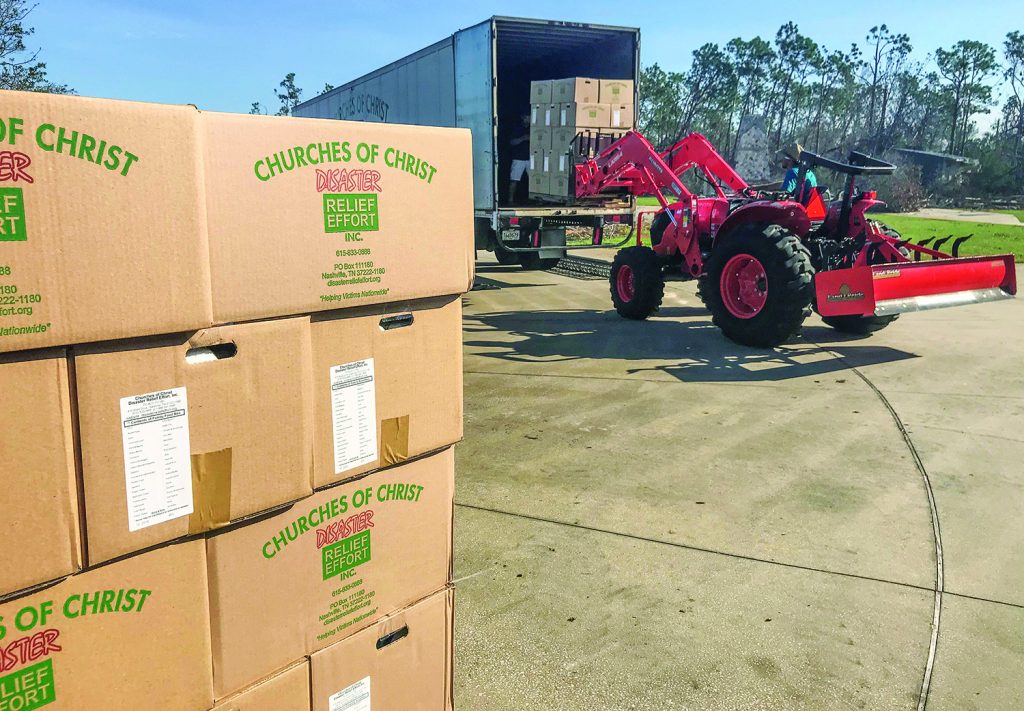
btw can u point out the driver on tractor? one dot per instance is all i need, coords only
(790, 157)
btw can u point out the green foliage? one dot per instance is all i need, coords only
(20, 68)
(288, 94)
(872, 96)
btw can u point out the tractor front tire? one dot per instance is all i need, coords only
(758, 285)
(637, 284)
(866, 325)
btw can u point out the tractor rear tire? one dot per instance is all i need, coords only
(532, 261)
(865, 325)
(637, 284)
(505, 257)
(758, 285)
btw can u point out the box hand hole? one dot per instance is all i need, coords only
(392, 637)
(206, 354)
(400, 321)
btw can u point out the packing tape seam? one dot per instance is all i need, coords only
(211, 491)
(394, 440)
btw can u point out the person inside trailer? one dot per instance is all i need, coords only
(520, 145)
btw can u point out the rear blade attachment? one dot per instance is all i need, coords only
(894, 288)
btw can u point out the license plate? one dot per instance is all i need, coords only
(510, 235)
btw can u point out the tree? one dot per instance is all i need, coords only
(966, 66)
(327, 87)
(19, 67)
(1013, 110)
(256, 109)
(660, 104)
(289, 95)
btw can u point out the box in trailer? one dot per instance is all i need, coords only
(540, 183)
(102, 222)
(181, 435)
(540, 92)
(540, 137)
(284, 691)
(620, 116)
(591, 115)
(126, 636)
(291, 584)
(543, 115)
(387, 385)
(402, 662)
(616, 91)
(574, 90)
(39, 516)
(309, 215)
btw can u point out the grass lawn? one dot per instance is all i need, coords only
(988, 239)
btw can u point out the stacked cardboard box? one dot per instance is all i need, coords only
(230, 358)
(599, 110)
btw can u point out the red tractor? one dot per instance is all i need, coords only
(765, 259)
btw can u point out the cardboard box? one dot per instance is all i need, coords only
(560, 184)
(616, 91)
(563, 137)
(284, 691)
(584, 115)
(543, 115)
(384, 213)
(176, 440)
(540, 92)
(39, 531)
(330, 565)
(540, 137)
(560, 164)
(540, 183)
(621, 116)
(540, 161)
(102, 221)
(131, 635)
(387, 383)
(575, 89)
(402, 662)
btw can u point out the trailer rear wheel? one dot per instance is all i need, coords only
(637, 285)
(532, 261)
(758, 285)
(504, 256)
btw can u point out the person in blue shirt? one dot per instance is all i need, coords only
(790, 156)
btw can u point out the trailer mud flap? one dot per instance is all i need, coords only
(886, 289)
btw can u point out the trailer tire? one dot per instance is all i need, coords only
(637, 284)
(758, 285)
(532, 261)
(866, 325)
(504, 256)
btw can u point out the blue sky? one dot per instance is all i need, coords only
(224, 55)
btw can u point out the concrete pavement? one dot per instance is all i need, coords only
(649, 516)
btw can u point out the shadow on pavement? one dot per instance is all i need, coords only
(692, 350)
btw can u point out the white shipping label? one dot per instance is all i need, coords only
(563, 123)
(547, 165)
(547, 117)
(532, 161)
(561, 162)
(616, 117)
(354, 412)
(533, 115)
(157, 462)
(352, 698)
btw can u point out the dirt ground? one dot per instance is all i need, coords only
(651, 517)
(943, 213)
